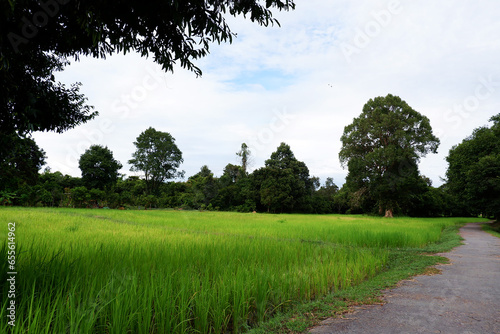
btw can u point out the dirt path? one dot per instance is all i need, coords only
(464, 299)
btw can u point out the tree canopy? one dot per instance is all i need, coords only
(20, 163)
(282, 185)
(38, 37)
(474, 171)
(244, 154)
(99, 167)
(284, 181)
(203, 186)
(157, 156)
(382, 148)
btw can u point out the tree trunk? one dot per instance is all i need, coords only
(388, 213)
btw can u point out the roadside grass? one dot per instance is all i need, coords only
(110, 271)
(492, 228)
(402, 265)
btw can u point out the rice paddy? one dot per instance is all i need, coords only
(111, 271)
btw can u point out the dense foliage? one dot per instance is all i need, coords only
(20, 161)
(99, 168)
(474, 172)
(157, 157)
(382, 148)
(37, 38)
(284, 183)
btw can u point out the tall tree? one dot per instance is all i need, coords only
(382, 148)
(230, 193)
(323, 198)
(230, 174)
(244, 154)
(37, 38)
(99, 167)
(285, 182)
(203, 187)
(158, 157)
(474, 171)
(21, 163)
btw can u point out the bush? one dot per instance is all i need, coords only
(80, 197)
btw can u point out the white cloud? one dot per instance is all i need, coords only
(434, 55)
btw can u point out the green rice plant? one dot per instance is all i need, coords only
(106, 271)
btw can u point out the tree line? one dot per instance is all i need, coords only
(381, 150)
(37, 39)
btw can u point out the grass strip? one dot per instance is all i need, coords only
(492, 228)
(402, 264)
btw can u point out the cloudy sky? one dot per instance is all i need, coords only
(300, 83)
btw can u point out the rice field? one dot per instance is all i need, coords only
(111, 271)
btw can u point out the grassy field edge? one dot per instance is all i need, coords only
(203, 272)
(403, 264)
(492, 228)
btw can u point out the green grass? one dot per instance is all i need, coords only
(107, 271)
(492, 228)
(401, 265)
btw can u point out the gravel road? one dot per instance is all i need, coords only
(463, 299)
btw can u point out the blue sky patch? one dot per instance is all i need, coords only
(268, 79)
